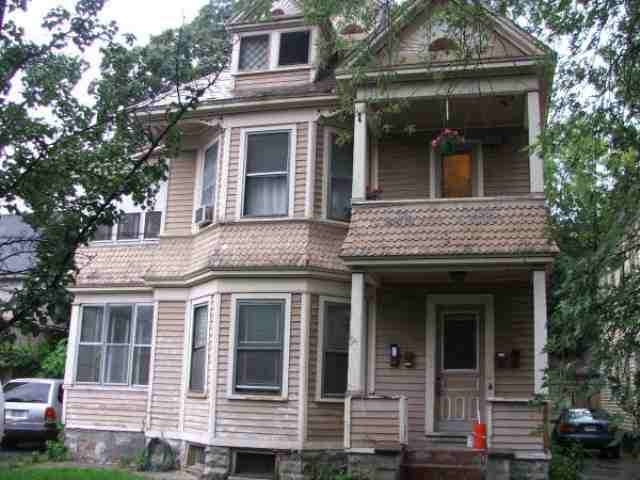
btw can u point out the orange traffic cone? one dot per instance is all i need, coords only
(479, 436)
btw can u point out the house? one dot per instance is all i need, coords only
(304, 297)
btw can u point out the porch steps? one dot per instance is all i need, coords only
(442, 464)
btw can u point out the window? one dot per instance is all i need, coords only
(259, 346)
(457, 175)
(266, 189)
(195, 455)
(294, 48)
(209, 169)
(103, 233)
(27, 392)
(198, 348)
(129, 226)
(340, 180)
(254, 52)
(460, 341)
(115, 344)
(335, 349)
(254, 464)
(152, 223)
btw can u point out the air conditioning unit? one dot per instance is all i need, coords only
(204, 216)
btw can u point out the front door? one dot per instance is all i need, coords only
(459, 371)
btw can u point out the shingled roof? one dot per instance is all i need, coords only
(491, 228)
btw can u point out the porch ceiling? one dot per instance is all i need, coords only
(471, 278)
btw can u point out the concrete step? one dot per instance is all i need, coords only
(433, 471)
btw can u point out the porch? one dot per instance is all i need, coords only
(431, 351)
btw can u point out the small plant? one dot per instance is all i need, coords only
(566, 462)
(56, 450)
(447, 141)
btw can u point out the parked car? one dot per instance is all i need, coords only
(590, 428)
(33, 408)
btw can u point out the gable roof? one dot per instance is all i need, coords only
(506, 29)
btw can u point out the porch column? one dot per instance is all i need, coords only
(357, 335)
(360, 152)
(540, 328)
(534, 120)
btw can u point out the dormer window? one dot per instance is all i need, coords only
(294, 48)
(254, 53)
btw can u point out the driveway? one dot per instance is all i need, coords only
(605, 469)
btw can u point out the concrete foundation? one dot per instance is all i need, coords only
(104, 447)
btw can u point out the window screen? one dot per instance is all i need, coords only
(460, 342)
(341, 180)
(457, 176)
(335, 351)
(209, 170)
(152, 223)
(259, 346)
(129, 226)
(254, 52)
(117, 343)
(198, 348)
(294, 48)
(267, 174)
(90, 345)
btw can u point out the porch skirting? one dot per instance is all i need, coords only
(103, 446)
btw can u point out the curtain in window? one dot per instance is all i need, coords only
(117, 344)
(267, 182)
(198, 348)
(90, 345)
(209, 170)
(341, 181)
(259, 345)
(335, 349)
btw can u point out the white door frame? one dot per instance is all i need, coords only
(433, 302)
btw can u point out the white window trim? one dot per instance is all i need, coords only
(284, 391)
(244, 133)
(140, 239)
(477, 157)
(319, 354)
(197, 189)
(326, 173)
(193, 304)
(274, 51)
(103, 345)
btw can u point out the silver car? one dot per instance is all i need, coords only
(32, 409)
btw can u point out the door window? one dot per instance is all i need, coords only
(460, 342)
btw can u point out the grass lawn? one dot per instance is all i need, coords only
(42, 473)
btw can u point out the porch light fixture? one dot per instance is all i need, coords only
(457, 277)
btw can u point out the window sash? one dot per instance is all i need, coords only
(209, 173)
(243, 349)
(129, 226)
(329, 349)
(297, 35)
(152, 224)
(199, 340)
(338, 177)
(245, 62)
(105, 350)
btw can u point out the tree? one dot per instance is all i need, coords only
(65, 162)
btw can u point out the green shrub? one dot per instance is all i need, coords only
(566, 462)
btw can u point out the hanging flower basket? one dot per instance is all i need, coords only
(447, 141)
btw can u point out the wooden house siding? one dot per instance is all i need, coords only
(167, 366)
(300, 189)
(375, 423)
(517, 426)
(116, 409)
(258, 420)
(506, 167)
(403, 167)
(179, 215)
(271, 80)
(325, 421)
(233, 173)
(319, 176)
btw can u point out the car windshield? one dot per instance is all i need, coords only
(584, 415)
(32, 392)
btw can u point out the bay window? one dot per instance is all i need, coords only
(267, 165)
(259, 346)
(115, 344)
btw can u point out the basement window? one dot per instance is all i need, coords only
(254, 464)
(195, 455)
(294, 48)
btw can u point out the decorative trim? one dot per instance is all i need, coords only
(371, 333)
(154, 337)
(347, 422)
(284, 390)
(312, 133)
(213, 383)
(539, 287)
(305, 323)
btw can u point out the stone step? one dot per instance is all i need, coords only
(434, 471)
